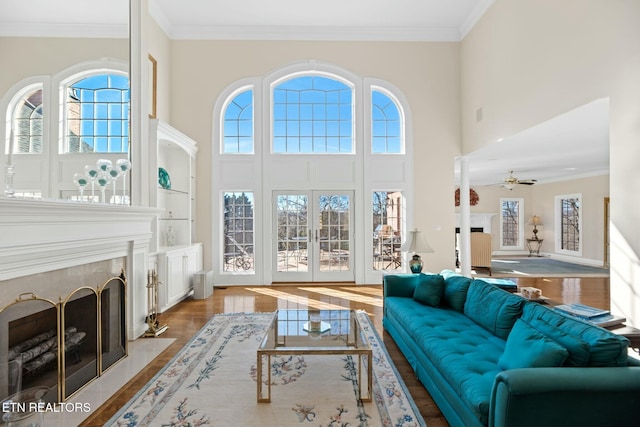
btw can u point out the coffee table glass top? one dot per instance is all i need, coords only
(314, 330)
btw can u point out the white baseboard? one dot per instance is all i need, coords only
(560, 257)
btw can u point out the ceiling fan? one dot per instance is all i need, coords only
(511, 181)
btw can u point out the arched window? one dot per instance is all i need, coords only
(238, 124)
(97, 114)
(26, 121)
(306, 131)
(312, 114)
(386, 124)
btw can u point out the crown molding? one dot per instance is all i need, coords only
(434, 34)
(443, 34)
(23, 29)
(473, 18)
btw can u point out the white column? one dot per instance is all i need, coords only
(465, 219)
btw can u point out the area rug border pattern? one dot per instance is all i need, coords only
(395, 392)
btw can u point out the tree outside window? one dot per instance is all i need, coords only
(511, 223)
(568, 226)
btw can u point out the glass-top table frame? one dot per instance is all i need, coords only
(314, 332)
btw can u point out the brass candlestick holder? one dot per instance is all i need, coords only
(155, 329)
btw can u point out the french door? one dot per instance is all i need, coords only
(312, 236)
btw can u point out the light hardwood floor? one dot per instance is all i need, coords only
(186, 318)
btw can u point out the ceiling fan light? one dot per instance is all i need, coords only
(509, 185)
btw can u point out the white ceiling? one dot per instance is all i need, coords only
(575, 144)
(435, 20)
(571, 145)
(64, 18)
(432, 20)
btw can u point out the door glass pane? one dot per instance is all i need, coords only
(292, 232)
(333, 232)
(387, 230)
(238, 232)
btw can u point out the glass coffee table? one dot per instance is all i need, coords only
(314, 332)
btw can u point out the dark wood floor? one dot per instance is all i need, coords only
(189, 316)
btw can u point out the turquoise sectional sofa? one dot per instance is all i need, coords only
(491, 358)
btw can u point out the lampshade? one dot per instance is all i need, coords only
(508, 185)
(416, 243)
(535, 220)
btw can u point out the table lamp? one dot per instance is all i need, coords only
(416, 243)
(535, 220)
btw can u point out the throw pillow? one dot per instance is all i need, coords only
(455, 292)
(528, 348)
(429, 290)
(578, 349)
(494, 309)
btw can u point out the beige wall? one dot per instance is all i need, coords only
(539, 200)
(159, 46)
(37, 56)
(427, 74)
(527, 61)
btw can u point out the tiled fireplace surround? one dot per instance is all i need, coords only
(51, 248)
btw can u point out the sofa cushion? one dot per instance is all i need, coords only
(605, 347)
(528, 348)
(455, 292)
(578, 349)
(463, 352)
(492, 308)
(429, 290)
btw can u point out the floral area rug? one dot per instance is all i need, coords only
(211, 382)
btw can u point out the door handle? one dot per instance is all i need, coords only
(316, 236)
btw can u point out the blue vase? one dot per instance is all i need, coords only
(415, 265)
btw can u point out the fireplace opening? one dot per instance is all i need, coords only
(62, 346)
(30, 347)
(79, 323)
(113, 324)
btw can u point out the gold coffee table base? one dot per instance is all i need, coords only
(286, 336)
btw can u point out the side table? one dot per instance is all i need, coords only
(631, 333)
(534, 246)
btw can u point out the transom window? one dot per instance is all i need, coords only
(312, 114)
(27, 122)
(97, 114)
(238, 124)
(386, 126)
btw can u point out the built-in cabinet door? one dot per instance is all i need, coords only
(176, 270)
(175, 276)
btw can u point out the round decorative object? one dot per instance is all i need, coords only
(163, 179)
(473, 197)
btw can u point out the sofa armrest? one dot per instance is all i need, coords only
(565, 396)
(400, 285)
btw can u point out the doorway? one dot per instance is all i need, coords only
(313, 238)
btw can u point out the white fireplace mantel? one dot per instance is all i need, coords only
(40, 236)
(478, 220)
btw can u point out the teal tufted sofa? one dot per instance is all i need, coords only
(491, 358)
